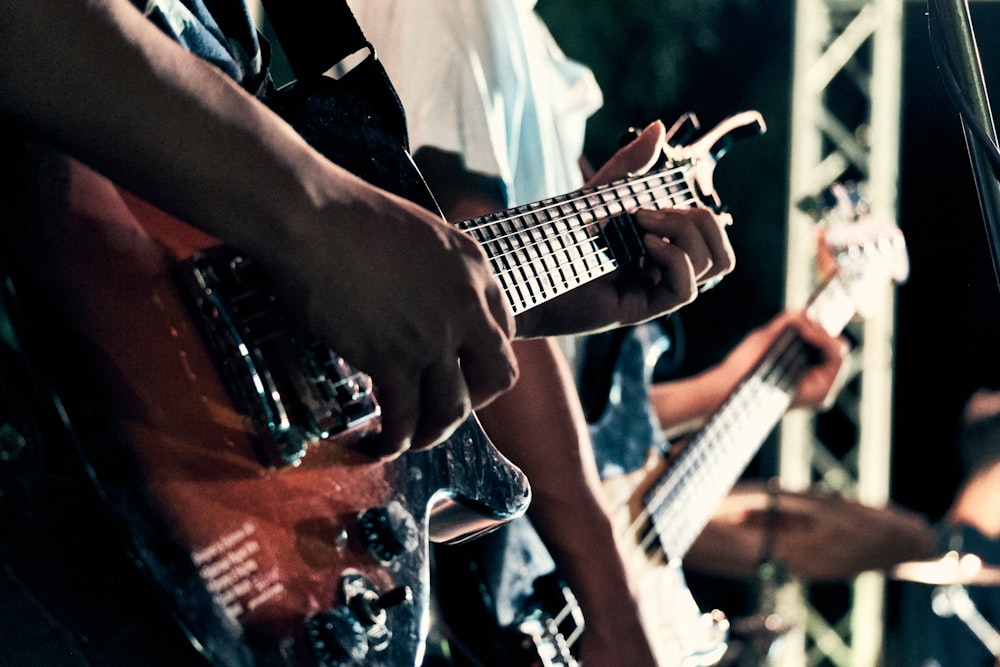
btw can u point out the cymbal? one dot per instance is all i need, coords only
(952, 568)
(813, 535)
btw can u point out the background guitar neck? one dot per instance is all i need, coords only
(684, 499)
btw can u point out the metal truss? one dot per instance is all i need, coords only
(845, 125)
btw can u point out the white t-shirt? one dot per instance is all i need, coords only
(485, 79)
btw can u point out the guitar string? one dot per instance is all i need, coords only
(570, 606)
(683, 196)
(548, 265)
(772, 373)
(526, 249)
(681, 199)
(796, 345)
(826, 299)
(644, 516)
(678, 174)
(681, 531)
(653, 182)
(544, 228)
(549, 231)
(549, 271)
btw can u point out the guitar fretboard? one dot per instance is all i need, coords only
(542, 250)
(683, 500)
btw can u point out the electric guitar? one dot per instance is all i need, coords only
(220, 434)
(660, 509)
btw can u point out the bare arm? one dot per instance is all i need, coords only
(540, 425)
(683, 405)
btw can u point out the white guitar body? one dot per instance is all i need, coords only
(680, 633)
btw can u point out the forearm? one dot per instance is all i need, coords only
(568, 508)
(682, 406)
(152, 117)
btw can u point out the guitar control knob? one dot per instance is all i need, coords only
(337, 637)
(389, 531)
(370, 608)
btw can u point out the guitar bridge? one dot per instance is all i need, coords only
(295, 390)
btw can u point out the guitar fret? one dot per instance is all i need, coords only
(521, 252)
(689, 502)
(683, 501)
(544, 255)
(583, 268)
(541, 250)
(559, 251)
(834, 307)
(495, 239)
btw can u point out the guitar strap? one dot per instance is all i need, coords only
(315, 35)
(323, 38)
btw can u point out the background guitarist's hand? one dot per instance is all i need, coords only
(684, 404)
(686, 248)
(819, 385)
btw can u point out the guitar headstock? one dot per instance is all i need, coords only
(704, 153)
(867, 252)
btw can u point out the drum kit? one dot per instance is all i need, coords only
(766, 534)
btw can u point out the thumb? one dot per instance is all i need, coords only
(635, 157)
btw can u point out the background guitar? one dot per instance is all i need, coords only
(499, 600)
(662, 507)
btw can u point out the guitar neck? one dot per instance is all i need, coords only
(542, 250)
(683, 500)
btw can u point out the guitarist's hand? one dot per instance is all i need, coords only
(415, 305)
(686, 248)
(389, 286)
(819, 385)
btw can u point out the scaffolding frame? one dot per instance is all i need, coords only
(853, 46)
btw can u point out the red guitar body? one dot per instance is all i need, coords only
(322, 561)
